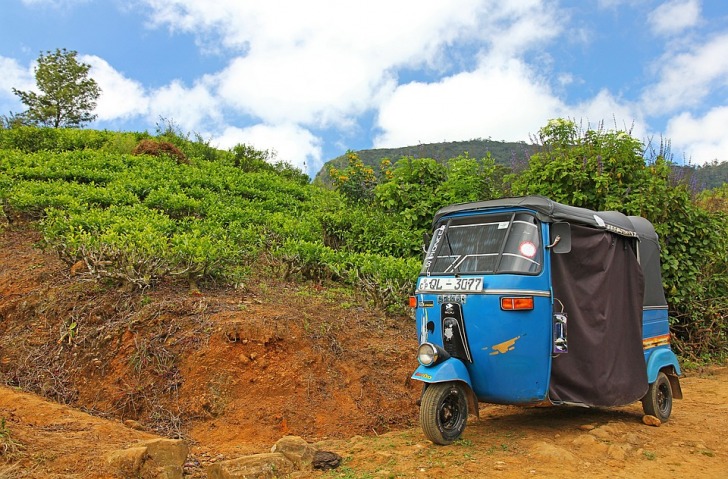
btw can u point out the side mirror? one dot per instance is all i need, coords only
(560, 237)
(426, 240)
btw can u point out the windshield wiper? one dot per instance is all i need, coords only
(455, 265)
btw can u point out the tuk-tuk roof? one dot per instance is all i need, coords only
(549, 211)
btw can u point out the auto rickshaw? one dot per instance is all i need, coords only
(526, 300)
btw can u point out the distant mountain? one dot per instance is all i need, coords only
(709, 176)
(507, 154)
(504, 153)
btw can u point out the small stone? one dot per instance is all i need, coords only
(632, 439)
(586, 427)
(617, 452)
(296, 450)
(325, 460)
(651, 420)
(266, 465)
(132, 424)
(602, 433)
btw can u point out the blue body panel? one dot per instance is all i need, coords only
(511, 350)
(655, 323)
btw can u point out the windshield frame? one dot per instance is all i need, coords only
(441, 239)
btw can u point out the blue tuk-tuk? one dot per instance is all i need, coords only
(525, 300)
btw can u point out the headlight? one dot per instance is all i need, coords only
(427, 354)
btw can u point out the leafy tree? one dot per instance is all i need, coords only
(715, 200)
(471, 180)
(417, 187)
(356, 182)
(410, 192)
(595, 169)
(67, 94)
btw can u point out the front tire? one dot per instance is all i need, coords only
(443, 412)
(658, 400)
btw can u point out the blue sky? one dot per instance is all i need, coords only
(312, 79)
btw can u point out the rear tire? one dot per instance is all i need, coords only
(658, 400)
(443, 412)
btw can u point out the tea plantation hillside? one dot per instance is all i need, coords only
(134, 209)
(126, 211)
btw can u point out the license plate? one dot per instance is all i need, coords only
(454, 285)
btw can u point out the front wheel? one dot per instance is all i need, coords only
(658, 400)
(443, 412)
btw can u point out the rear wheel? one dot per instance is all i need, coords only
(443, 412)
(658, 400)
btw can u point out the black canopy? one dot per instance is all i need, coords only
(550, 211)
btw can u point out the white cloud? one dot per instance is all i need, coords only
(515, 27)
(505, 102)
(120, 97)
(302, 86)
(14, 76)
(193, 108)
(190, 108)
(702, 139)
(674, 16)
(613, 113)
(688, 78)
(324, 62)
(289, 142)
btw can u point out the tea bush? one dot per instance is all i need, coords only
(128, 243)
(138, 219)
(384, 280)
(31, 139)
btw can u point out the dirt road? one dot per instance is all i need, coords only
(507, 442)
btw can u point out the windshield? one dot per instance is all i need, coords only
(503, 243)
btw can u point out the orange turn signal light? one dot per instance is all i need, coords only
(413, 301)
(517, 304)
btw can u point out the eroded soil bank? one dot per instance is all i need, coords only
(233, 370)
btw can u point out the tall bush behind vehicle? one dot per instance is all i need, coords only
(611, 170)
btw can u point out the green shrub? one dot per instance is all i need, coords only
(611, 170)
(385, 280)
(32, 139)
(129, 243)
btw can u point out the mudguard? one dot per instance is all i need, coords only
(659, 359)
(449, 370)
